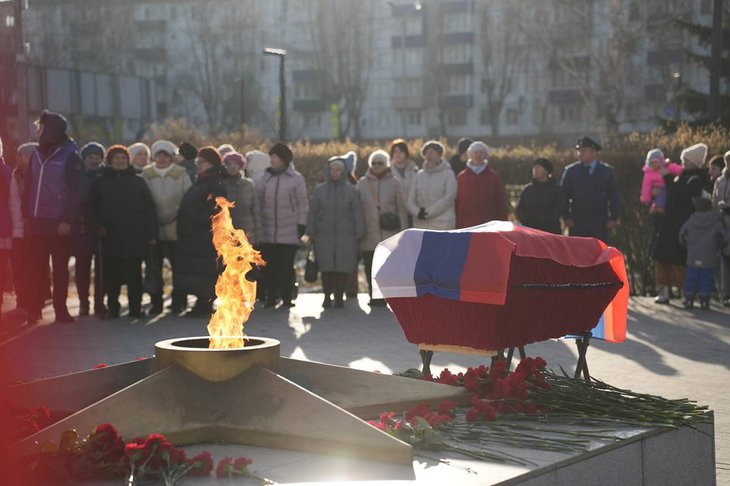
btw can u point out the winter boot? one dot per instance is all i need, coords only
(704, 302)
(689, 301)
(663, 296)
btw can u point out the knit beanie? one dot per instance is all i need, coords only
(480, 146)
(283, 152)
(257, 161)
(226, 148)
(163, 146)
(235, 157)
(92, 148)
(116, 149)
(210, 154)
(138, 148)
(379, 155)
(463, 145)
(695, 155)
(187, 150)
(654, 154)
(432, 144)
(544, 163)
(349, 160)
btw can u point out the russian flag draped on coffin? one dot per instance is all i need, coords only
(500, 285)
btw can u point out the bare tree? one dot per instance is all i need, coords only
(504, 53)
(594, 44)
(342, 34)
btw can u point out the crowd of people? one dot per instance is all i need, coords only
(114, 209)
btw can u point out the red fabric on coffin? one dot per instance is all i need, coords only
(540, 305)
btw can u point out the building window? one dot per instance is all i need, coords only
(456, 53)
(413, 118)
(460, 84)
(312, 120)
(569, 113)
(457, 22)
(511, 116)
(306, 91)
(456, 118)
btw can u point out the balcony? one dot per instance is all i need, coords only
(418, 40)
(407, 102)
(151, 54)
(564, 96)
(455, 68)
(307, 76)
(457, 101)
(458, 38)
(456, 6)
(310, 106)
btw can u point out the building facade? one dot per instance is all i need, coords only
(502, 71)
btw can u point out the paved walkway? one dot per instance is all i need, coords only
(669, 351)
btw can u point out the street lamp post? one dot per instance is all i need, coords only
(677, 97)
(281, 54)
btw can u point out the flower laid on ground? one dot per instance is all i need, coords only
(521, 409)
(104, 455)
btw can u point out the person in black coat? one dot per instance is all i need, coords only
(591, 190)
(127, 225)
(197, 262)
(542, 202)
(85, 241)
(670, 257)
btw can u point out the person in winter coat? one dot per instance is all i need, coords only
(53, 203)
(6, 223)
(721, 203)
(433, 191)
(383, 205)
(18, 201)
(592, 191)
(335, 223)
(669, 256)
(542, 202)
(458, 161)
(715, 168)
(86, 242)
(703, 235)
(653, 189)
(403, 168)
(168, 182)
(197, 262)
(186, 153)
(479, 192)
(256, 164)
(140, 156)
(241, 191)
(127, 226)
(282, 195)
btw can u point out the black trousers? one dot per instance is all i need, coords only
(118, 271)
(367, 257)
(86, 252)
(279, 270)
(335, 283)
(153, 273)
(58, 249)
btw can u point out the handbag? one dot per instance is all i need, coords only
(311, 267)
(389, 221)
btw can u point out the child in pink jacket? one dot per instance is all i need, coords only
(653, 191)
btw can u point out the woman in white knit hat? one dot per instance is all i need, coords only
(383, 205)
(140, 156)
(669, 255)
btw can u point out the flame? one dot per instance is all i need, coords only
(236, 295)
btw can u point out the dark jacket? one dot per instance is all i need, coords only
(54, 194)
(189, 166)
(6, 223)
(540, 206)
(593, 199)
(197, 267)
(457, 165)
(703, 236)
(125, 209)
(680, 191)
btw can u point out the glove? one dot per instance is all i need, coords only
(422, 213)
(301, 229)
(253, 274)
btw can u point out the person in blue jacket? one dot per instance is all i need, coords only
(592, 192)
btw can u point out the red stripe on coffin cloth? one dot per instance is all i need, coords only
(544, 300)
